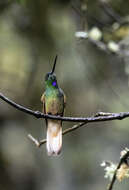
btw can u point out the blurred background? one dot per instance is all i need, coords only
(91, 38)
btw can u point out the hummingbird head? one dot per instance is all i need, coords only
(50, 77)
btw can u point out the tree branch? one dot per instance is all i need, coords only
(110, 12)
(39, 143)
(122, 160)
(99, 117)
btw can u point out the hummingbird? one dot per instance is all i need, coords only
(54, 101)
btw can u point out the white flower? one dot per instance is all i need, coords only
(81, 34)
(103, 164)
(95, 34)
(113, 46)
(109, 169)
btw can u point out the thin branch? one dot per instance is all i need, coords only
(113, 14)
(101, 116)
(110, 12)
(35, 141)
(73, 128)
(122, 160)
(39, 143)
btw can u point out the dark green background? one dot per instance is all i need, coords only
(31, 34)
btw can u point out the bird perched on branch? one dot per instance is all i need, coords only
(54, 102)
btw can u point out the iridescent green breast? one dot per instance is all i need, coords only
(54, 101)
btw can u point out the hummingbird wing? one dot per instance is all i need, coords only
(64, 102)
(43, 102)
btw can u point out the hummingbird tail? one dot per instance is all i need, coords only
(54, 137)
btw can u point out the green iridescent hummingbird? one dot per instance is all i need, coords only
(54, 101)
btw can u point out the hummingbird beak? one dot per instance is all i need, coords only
(53, 69)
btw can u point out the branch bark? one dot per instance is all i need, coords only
(99, 117)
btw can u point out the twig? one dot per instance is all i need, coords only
(113, 14)
(123, 159)
(39, 143)
(35, 141)
(110, 12)
(37, 114)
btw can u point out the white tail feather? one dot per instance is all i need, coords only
(54, 138)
